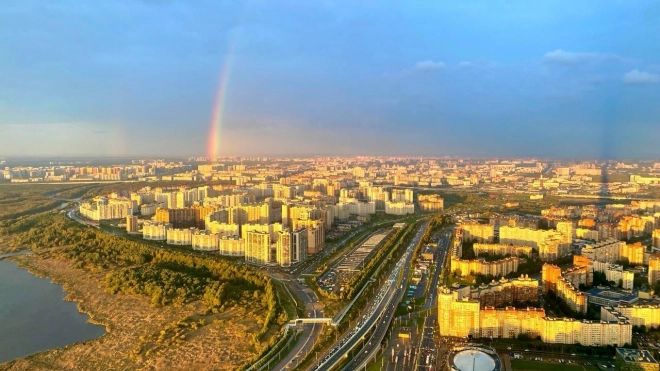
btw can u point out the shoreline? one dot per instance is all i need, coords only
(69, 295)
(134, 330)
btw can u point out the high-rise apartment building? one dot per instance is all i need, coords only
(550, 244)
(475, 232)
(633, 252)
(462, 317)
(550, 274)
(231, 246)
(576, 299)
(567, 231)
(204, 240)
(457, 317)
(257, 247)
(131, 223)
(654, 269)
(496, 268)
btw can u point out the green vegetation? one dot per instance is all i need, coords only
(376, 364)
(17, 200)
(134, 268)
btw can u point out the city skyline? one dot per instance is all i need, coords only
(156, 78)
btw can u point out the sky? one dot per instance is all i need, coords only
(571, 78)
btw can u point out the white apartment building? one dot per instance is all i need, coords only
(180, 236)
(205, 241)
(154, 231)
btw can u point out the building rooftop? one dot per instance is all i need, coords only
(635, 355)
(613, 294)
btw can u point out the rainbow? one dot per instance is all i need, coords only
(213, 146)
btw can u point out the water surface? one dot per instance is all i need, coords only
(34, 317)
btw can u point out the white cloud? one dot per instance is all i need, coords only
(563, 57)
(465, 64)
(640, 77)
(429, 65)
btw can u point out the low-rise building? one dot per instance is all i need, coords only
(635, 360)
(611, 297)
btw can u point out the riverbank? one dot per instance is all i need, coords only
(138, 336)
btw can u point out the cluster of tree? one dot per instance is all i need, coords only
(601, 280)
(163, 285)
(18, 200)
(529, 266)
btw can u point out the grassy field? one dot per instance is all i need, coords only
(519, 365)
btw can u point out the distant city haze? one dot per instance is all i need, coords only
(209, 78)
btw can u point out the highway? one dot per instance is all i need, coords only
(310, 334)
(413, 354)
(378, 315)
(426, 356)
(310, 265)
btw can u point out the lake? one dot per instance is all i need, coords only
(34, 316)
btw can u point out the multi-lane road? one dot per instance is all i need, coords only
(419, 352)
(309, 334)
(378, 317)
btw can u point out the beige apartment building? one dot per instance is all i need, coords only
(462, 318)
(475, 232)
(576, 299)
(155, 231)
(497, 249)
(654, 269)
(231, 246)
(550, 244)
(257, 247)
(204, 240)
(607, 251)
(180, 236)
(506, 291)
(496, 268)
(638, 315)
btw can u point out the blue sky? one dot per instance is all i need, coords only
(480, 78)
